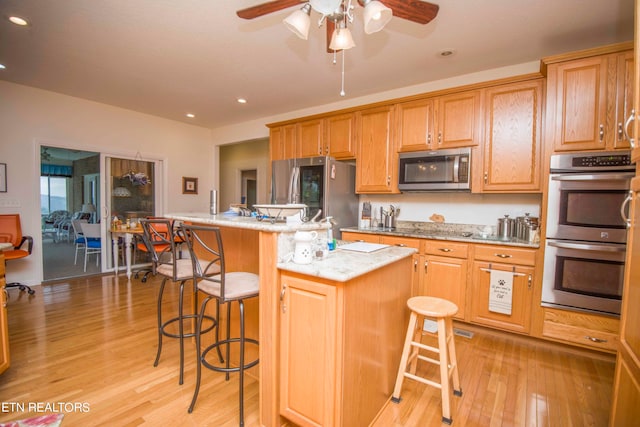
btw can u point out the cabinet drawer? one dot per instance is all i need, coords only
(505, 255)
(401, 241)
(446, 248)
(360, 237)
(599, 332)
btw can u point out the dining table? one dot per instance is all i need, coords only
(127, 233)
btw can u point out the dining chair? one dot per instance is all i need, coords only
(79, 237)
(92, 241)
(11, 232)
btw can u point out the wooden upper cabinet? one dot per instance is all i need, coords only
(625, 98)
(446, 121)
(310, 138)
(282, 142)
(377, 161)
(339, 136)
(513, 134)
(591, 99)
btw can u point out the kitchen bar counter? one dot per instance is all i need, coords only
(343, 265)
(444, 233)
(245, 222)
(368, 284)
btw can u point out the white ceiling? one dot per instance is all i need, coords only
(170, 57)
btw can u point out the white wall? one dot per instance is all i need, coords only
(30, 116)
(238, 157)
(458, 208)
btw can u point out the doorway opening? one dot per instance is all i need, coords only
(249, 179)
(69, 190)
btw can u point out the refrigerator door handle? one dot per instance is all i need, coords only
(296, 185)
(293, 185)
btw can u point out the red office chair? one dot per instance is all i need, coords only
(11, 232)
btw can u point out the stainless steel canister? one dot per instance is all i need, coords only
(506, 227)
(526, 227)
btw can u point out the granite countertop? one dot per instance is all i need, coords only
(343, 265)
(246, 222)
(452, 232)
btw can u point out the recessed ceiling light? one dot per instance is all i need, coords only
(19, 21)
(2, 67)
(242, 101)
(445, 53)
(190, 115)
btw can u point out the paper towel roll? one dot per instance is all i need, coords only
(213, 202)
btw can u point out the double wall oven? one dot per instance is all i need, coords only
(586, 231)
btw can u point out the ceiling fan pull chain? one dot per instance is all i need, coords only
(342, 93)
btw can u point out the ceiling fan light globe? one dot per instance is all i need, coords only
(341, 39)
(376, 16)
(299, 22)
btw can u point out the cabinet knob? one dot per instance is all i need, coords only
(283, 306)
(620, 132)
(601, 133)
(503, 255)
(594, 339)
(486, 177)
(445, 250)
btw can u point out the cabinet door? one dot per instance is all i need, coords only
(376, 164)
(308, 337)
(513, 126)
(4, 329)
(339, 137)
(635, 128)
(282, 142)
(310, 138)
(579, 89)
(446, 277)
(626, 398)
(458, 120)
(520, 318)
(415, 125)
(624, 104)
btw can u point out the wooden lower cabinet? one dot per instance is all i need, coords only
(445, 273)
(340, 345)
(584, 329)
(519, 262)
(308, 339)
(626, 387)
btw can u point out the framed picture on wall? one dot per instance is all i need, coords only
(189, 185)
(3, 177)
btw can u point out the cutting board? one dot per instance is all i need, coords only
(363, 247)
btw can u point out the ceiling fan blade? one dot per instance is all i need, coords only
(266, 8)
(413, 10)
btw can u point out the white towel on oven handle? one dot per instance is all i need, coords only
(501, 291)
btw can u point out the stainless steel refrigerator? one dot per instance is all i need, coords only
(320, 183)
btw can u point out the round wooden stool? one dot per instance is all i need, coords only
(441, 311)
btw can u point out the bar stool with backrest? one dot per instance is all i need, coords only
(223, 287)
(160, 243)
(441, 311)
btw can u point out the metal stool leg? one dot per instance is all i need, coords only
(161, 292)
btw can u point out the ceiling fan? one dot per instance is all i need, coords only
(336, 13)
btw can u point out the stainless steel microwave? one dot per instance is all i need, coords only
(438, 170)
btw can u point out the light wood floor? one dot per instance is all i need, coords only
(92, 341)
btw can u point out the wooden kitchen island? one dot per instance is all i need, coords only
(330, 332)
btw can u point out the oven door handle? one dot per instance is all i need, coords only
(586, 246)
(623, 214)
(593, 177)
